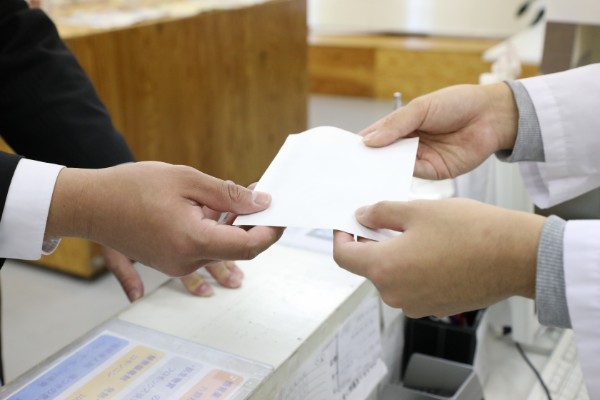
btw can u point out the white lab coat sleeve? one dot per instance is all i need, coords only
(26, 209)
(567, 106)
(582, 282)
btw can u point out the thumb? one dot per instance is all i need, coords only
(392, 215)
(226, 196)
(400, 124)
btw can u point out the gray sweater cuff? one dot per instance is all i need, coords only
(528, 145)
(550, 294)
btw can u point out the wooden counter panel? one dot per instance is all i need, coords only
(219, 91)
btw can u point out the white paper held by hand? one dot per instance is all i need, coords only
(320, 177)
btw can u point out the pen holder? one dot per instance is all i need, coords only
(453, 339)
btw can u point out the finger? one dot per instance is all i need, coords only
(223, 196)
(210, 213)
(425, 169)
(235, 269)
(430, 164)
(195, 284)
(342, 237)
(350, 255)
(226, 273)
(394, 215)
(365, 240)
(225, 242)
(123, 269)
(401, 123)
(371, 128)
(229, 219)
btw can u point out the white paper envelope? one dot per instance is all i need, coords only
(320, 177)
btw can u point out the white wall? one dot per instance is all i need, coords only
(574, 11)
(479, 18)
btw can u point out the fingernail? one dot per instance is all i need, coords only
(205, 290)
(370, 136)
(134, 294)
(234, 281)
(261, 198)
(361, 211)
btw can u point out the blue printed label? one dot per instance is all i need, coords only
(68, 372)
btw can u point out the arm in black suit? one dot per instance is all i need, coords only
(49, 110)
(8, 164)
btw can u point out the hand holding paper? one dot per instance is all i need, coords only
(321, 176)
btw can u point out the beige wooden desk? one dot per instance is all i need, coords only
(219, 91)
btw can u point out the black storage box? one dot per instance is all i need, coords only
(449, 341)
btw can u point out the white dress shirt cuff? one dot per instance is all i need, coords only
(26, 209)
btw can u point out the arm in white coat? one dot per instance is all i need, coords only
(550, 293)
(567, 107)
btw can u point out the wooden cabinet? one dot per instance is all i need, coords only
(379, 65)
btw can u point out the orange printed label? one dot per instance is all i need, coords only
(217, 384)
(112, 380)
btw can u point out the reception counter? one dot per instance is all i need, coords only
(299, 328)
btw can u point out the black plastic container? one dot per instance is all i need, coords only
(449, 341)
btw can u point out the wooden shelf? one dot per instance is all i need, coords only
(379, 65)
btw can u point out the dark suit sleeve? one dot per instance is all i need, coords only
(49, 110)
(8, 165)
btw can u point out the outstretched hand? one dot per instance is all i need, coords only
(458, 128)
(156, 213)
(454, 255)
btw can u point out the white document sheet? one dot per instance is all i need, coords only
(321, 176)
(348, 366)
